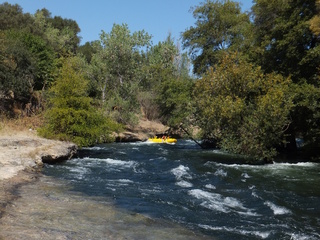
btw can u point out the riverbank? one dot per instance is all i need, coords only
(22, 154)
(24, 150)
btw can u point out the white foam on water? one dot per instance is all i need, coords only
(125, 181)
(181, 172)
(277, 210)
(295, 236)
(119, 163)
(211, 201)
(218, 151)
(119, 182)
(210, 186)
(261, 235)
(138, 170)
(184, 184)
(299, 164)
(254, 194)
(79, 171)
(274, 166)
(217, 202)
(140, 143)
(96, 148)
(220, 172)
(245, 175)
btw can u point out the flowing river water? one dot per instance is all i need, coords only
(159, 191)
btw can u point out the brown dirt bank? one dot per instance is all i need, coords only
(144, 130)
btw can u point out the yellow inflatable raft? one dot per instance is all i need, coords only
(162, 140)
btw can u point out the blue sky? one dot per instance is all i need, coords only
(157, 17)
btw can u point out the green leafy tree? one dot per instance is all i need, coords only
(71, 115)
(27, 64)
(315, 21)
(159, 66)
(64, 41)
(16, 66)
(87, 50)
(69, 27)
(167, 67)
(12, 17)
(220, 25)
(287, 42)
(243, 109)
(174, 100)
(116, 68)
(307, 117)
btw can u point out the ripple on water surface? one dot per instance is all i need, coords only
(184, 184)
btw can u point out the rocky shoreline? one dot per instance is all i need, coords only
(25, 150)
(22, 154)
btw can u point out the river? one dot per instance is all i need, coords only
(188, 189)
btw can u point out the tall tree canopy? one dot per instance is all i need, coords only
(220, 25)
(72, 116)
(243, 109)
(12, 17)
(31, 45)
(285, 43)
(116, 68)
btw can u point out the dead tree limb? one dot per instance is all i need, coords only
(191, 136)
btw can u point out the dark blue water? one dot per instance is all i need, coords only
(200, 190)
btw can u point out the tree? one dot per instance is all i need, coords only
(220, 25)
(287, 43)
(71, 115)
(167, 67)
(12, 17)
(244, 110)
(315, 21)
(26, 68)
(116, 67)
(284, 41)
(64, 41)
(174, 100)
(87, 50)
(70, 27)
(16, 66)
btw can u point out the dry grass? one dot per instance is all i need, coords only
(12, 126)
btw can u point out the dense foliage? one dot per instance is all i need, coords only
(256, 91)
(245, 110)
(220, 25)
(71, 115)
(283, 39)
